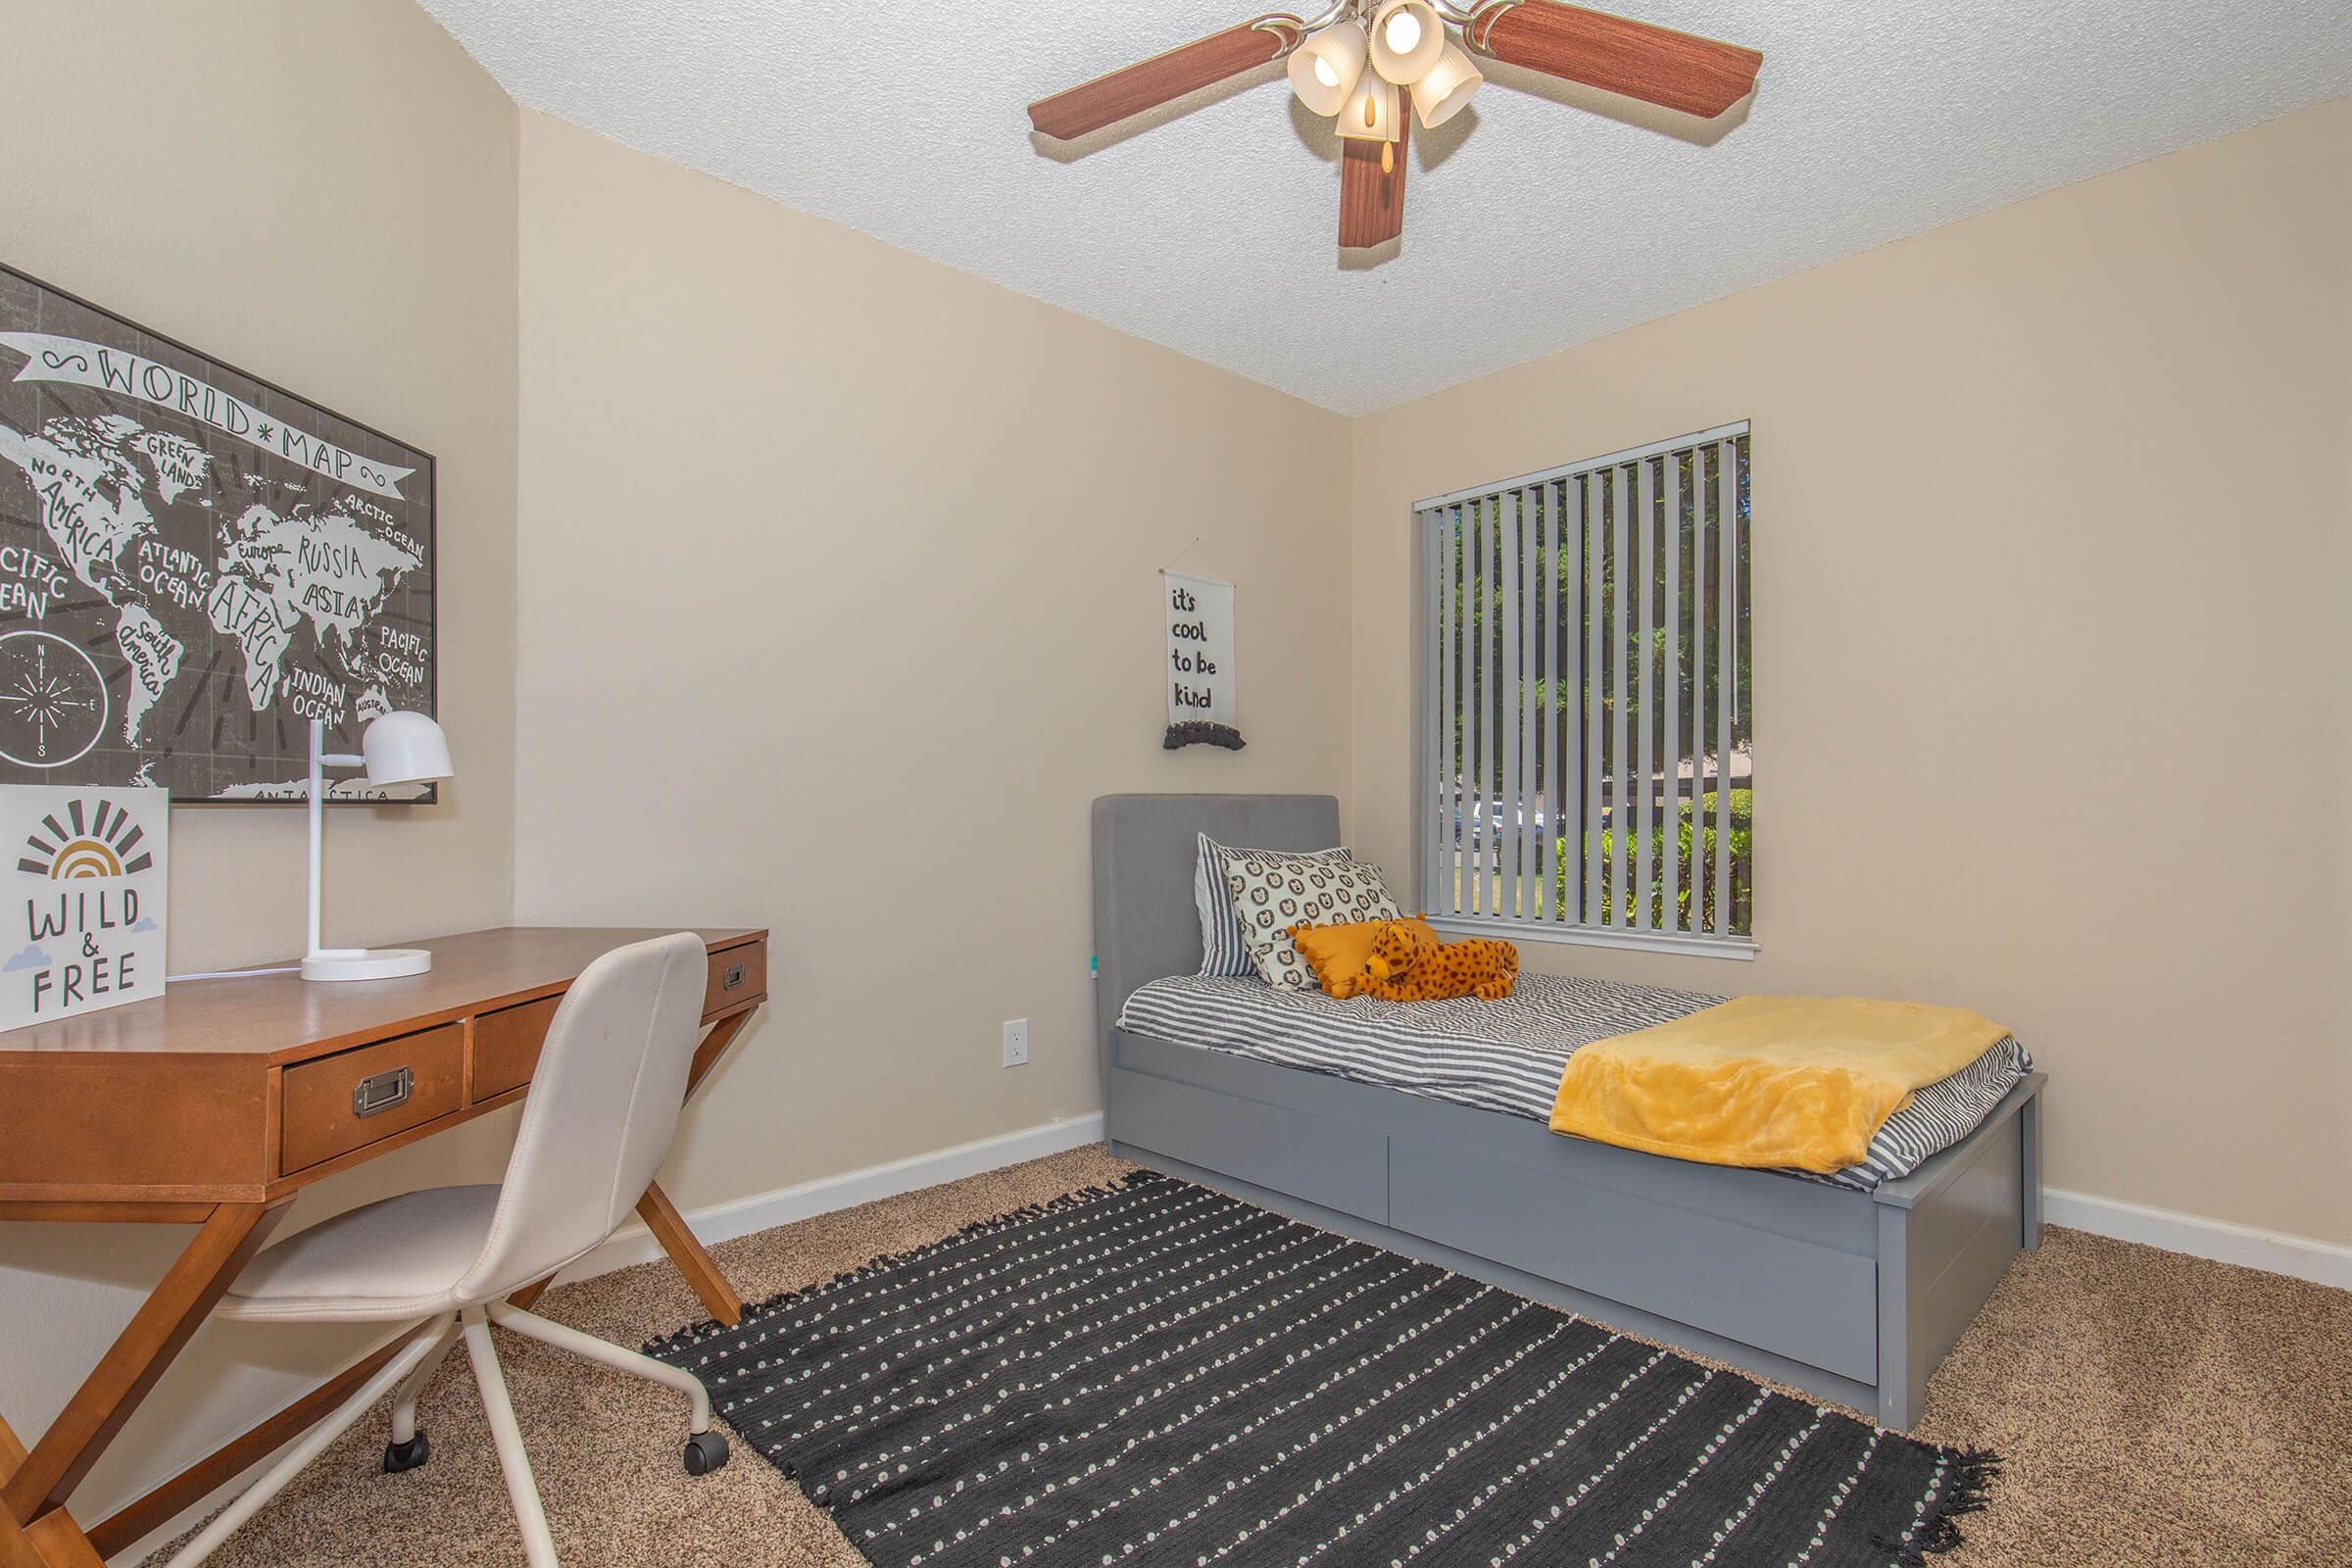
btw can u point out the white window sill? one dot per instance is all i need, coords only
(1741, 948)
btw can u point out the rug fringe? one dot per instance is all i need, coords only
(696, 1333)
(1968, 1487)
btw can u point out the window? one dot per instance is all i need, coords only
(1584, 761)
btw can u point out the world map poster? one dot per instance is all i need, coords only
(194, 565)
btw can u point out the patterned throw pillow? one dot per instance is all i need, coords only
(1222, 949)
(1273, 893)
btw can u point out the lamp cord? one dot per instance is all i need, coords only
(231, 974)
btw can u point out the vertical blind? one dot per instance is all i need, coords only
(1586, 751)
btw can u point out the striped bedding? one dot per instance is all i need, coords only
(1507, 1055)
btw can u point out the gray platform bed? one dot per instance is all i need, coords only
(1852, 1296)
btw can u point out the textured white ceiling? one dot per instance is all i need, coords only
(1536, 219)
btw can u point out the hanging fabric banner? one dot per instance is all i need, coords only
(1200, 669)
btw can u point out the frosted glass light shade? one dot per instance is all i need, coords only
(1407, 36)
(404, 749)
(1325, 68)
(1445, 90)
(1370, 112)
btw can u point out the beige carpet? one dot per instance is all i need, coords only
(2152, 1408)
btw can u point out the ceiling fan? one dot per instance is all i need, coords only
(1368, 62)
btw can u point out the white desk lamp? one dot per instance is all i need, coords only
(396, 748)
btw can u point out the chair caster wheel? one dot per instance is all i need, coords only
(705, 1451)
(408, 1455)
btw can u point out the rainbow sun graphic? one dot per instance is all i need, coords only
(105, 844)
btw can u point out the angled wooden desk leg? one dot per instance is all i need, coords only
(700, 1269)
(662, 1216)
(685, 1250)
(713, 1046)
(51, 1543)
(38, 1529)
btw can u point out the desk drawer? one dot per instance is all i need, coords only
(735, 973)
(505, 1046)
(322, 1117)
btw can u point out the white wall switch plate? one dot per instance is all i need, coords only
(1016, 1043)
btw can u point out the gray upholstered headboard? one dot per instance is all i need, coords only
(1145, 845)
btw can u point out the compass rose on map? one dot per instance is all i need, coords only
(52, 699)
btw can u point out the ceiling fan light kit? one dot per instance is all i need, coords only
(1362, 62)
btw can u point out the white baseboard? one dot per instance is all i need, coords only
(2322, 1262)
(785, 1204)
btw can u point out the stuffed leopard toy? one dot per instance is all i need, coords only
(1409, 963)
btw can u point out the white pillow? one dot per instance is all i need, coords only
(1272, 893)
(1223, 953)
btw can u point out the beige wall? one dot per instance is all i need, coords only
(2052, 573)
(840, 606)
(324, 195)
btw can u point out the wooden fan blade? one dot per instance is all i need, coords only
(1107, 100)
(1371, 201)
(1656, 64)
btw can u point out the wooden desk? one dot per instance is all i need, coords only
(216, 1103)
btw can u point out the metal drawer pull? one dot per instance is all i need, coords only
(382, 1092)
(732, 978)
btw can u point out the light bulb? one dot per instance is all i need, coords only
(1324, 69)
(1407, 36)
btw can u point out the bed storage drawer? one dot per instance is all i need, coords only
(1323, 1161)
(1809, 1302)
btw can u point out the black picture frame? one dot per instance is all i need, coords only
(288, 734)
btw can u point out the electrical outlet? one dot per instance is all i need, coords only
(1016, 1043)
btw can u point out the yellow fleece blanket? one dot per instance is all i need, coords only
(1777, 1081)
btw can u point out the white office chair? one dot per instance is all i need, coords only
(603, 1107)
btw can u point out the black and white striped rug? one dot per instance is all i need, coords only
(1159, 1375)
